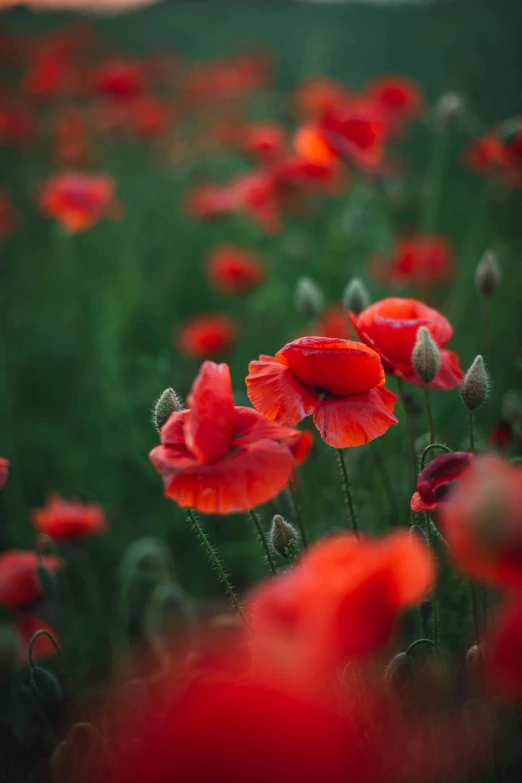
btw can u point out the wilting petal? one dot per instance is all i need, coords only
(253, 474)
(275, 391)
(338, 367)
(209, 430)
(355, 420)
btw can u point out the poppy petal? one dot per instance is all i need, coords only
(412, 567)
(275, 391)
(355, 420)
(210, 427)
(252, 425)
(417, 504)
(253, 474)
(173, 431)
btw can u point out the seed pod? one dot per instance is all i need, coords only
(356, 297)
(308, 298)
(475, 386)
(425, 356)
(398, 674)
(45, 684)
(487, 274)
(283, 537)
(167, 403)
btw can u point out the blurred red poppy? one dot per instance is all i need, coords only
(206, 336)
(17, 126)
(233, 270)
(4, 471)
(400, 99)
(482, 522)
(390, 327)
(340, 382)
(503, 651)
(438, 479)
(219, 458)
(67, 520)
(120, 79)
(339, 603)
(334, 322)
(150, 116)
(486, 155)
(318, 95)
(8, 216)
(502, 436)
(26, 625)
(499, 152)
(70, 142)
(50, 76)
(230, 78)
(78, 200)
(264, 141)
(419, 260)
(19, 585)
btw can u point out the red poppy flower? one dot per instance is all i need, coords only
(340, 382)
(19, 585)
(334, 322)
(118, 79)
(26, 625)
(50, 76)
(4, 471)
(437, 480)
(78, 200)
(149, 116)
(206, 336)
(265, 141)
(316, 96)
(390, 327)
(482, 521)
(503, 652)
(486, 155)
(70, 143)
(16, 126)
(419, 260)
(339, 603)
(400, 99)
(65, 520)
(218, 458)
(8, 216)
(230, 78)
(501, 436)
(232, 270)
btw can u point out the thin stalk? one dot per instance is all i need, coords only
(434, 598)
(471, 431)
(386, 484)
(211, 552)
(298, 516)
(262, 538)
(486, 317)
(409, 428)
(435, 179)
(347, 491)
(429, 412)
(431, 447)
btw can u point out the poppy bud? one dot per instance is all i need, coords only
(475, 386)
(398, 673)
(146, 556)
(474, 658)
(308, 298)
(48, 582)
(9, 651)
(450, 107)
(512, 406)
(425, 356)
(169, 617)
(166, 404)
(356, 297)
(45, 684)
(487, 274)
(283, 537)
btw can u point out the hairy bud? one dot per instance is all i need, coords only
(475, 386)
(308, 298)
(425, 356)
(45, 684)
(169, 618)
(356, 297)
(451, 107)
(283, 537)
(487, 274)
(398, 674)
(167, 403)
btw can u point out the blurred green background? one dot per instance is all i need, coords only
(87, 320)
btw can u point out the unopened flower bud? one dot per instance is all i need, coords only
(169, 618)
(45, 684)
(512, 406)
(166, 404)
(398, 674)
(308, 298)
(487, 274)
(425, 356)
(356, 297)
(147, 556)
(475, 386)
(474, 658)
(283, 537)
(450, 107)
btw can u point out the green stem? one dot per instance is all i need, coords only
(347, 491)
(430, 448)
(435, 179)
(486, 315)
(387, 486)
(429, 412)
(471, 433)
(434, 597)
(211, 552)
(418, 643)
(410, 436)
(53, 642)
(262, 538)
(298, 516)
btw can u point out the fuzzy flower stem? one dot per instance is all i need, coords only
(51, 638)
(471, 432)
(434, 597)
(409, 427)
(347, 490)
(262, 538)
(298, 515)
(429, 412)
(430, 448)
(216, 563)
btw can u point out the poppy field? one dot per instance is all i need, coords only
(261, 394)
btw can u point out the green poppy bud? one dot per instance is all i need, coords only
(356, 297)
(487, 275)
(167, 403)
(425, 356)
(308, 298)
(475, 386)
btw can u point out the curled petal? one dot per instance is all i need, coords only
(355, 420)
(417, 504)
(209, 430)
(274, 391)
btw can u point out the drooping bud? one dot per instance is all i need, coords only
(166, 404)
(356, 297)
(45, 684)
(475, 386)
(487, 274)
(283, 538)
(425, 356)
(308, 298)
(398, 674)
(169, 619)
